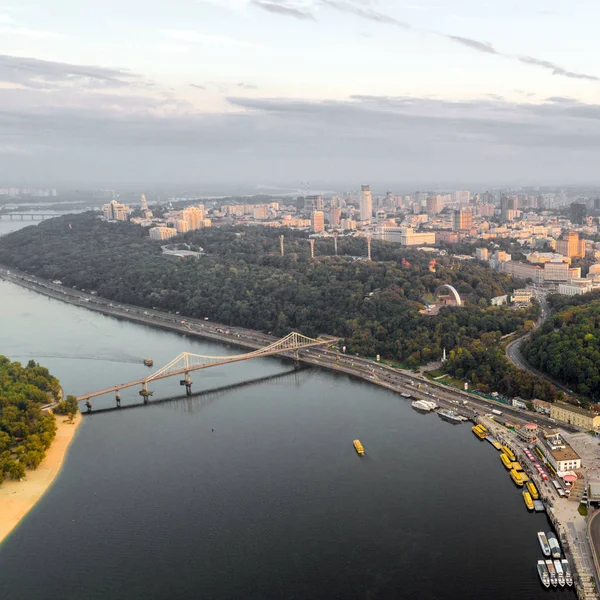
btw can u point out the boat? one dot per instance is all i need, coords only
(524, 476)
(423, 405)
(528, 501)
(543, 540)
(509, 453)
(516, 477)
(539, 506)
(450, 415)
(567, 572)
(497, 445)
(533, 490)
(148, 362)
(479, 432)
(517, 466)
(506, 461)
(559, 573)
(483, 429)
(543, 573)
(554, 545)
(551, 572)
(358, 447)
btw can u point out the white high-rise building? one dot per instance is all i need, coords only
(366, 204)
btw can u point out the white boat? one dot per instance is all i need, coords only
(552, 571)
(567, 572)
(543, 540)
(451, 416)
(543, 573)
(559, 573)
(424, 405)
(554, 545)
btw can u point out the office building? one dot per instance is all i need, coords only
(404, 235)
(162, 233)
(570, 245)
(578, 213)
(366, 204)
(574, 415)
(317, 221)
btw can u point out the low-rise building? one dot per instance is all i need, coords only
(560, 455)
(541, 406)
(574, 415)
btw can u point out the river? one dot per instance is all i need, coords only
(255, 492)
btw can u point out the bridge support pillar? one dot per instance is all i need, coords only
(145, 393)
(118, 398)
(88, 405)
(296, 359)
(188, 384)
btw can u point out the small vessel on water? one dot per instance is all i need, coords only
(516, 477)
(552, 572)
(148, 362)
(450, 415)
(544, 543)
(543, 573)
(554, 545)
(479, 431)
(509, 453)
(567, 572)
(424, 405)
(559, 573)
(528, 501)
(358, 447)
(506, 461)
(533, 490)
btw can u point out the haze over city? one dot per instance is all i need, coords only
(282, 91)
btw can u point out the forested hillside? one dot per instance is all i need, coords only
(567, 346)
(242, 280)
(25, 431)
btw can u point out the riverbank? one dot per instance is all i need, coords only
(17, 498)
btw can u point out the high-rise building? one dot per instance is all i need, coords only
(366, 204)
(315, 203)
(317, 221)
(463, 219)
(194, 215)
(144, 202)
(334, 216)
(578, 213)
(570, 245)
(259, 212)
(162, 233)
(114, 211)
(433, 205)
(462, 196)
(508, 206)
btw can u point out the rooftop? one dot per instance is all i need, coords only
(575, 409)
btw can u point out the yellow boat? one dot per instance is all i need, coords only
(358, 447)
(482, 428)
(516, 477)
(533, 490)
(506, 461)
(528, 500)
(497, 445)
(517, 467)
(478, 432)
(524, 477)
(509, 452)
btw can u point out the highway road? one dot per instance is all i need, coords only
(331, 357)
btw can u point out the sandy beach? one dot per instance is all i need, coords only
(18, 497)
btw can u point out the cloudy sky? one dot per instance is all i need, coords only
(288, 91)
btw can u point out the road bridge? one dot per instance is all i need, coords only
(186, 363)
(27, 216)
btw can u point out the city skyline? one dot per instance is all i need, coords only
(281, 91)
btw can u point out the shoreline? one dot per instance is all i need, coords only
(17, 498)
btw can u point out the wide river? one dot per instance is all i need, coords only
(255, 492)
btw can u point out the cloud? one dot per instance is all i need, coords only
(556, 70)
(193, 37)
(200, 87)
(28, 32)
(42, 74)
(473, 44)
(246, 86)
(283, 7)
(365, 13)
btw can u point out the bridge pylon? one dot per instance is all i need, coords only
(144, 392)
(187, 382)
(118, 398)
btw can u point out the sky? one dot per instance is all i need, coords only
(270, 92)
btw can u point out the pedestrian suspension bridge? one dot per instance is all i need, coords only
(186, 363)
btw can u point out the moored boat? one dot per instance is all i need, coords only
(358, 447)
(567, 571)
(506, 461)
(450, 415)
(559, 573)
(533, 490)
(479, 432)
(543, 540)
(528, 501)
(516, 477)
(423, 405)
(509, 453)
(554, 545)
(543, 573)
(551, 572)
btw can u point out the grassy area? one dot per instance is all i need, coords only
(582, 510)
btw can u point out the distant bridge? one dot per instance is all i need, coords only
(186, 362)
(27, 216)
